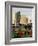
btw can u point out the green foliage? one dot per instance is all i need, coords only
(13, 34)
(18, 16)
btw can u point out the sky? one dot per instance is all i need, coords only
(23, 11)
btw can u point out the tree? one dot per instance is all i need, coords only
(18, 16)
